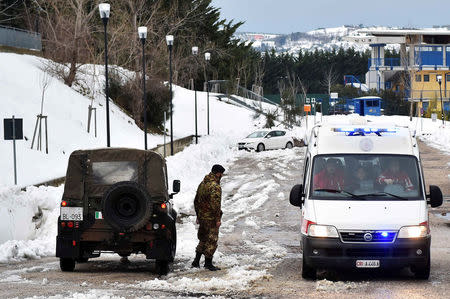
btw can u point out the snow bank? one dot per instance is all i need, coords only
(28, 220)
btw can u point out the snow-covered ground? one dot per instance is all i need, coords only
(28, 218)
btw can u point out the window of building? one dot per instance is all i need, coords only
(448, 77)
(426, 78)
(418, 78)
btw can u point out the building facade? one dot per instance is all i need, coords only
(422, 71)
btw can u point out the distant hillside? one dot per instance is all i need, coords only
(319, 39)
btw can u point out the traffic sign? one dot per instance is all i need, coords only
(12, 125)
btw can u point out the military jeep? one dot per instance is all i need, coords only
(116, 200)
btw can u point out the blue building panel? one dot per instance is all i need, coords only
(447, 56)
(429, 55)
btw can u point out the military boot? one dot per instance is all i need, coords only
(209, 265)
(196, 262)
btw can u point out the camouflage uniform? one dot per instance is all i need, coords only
(207, 207)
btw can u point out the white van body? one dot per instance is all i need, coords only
(363, 201)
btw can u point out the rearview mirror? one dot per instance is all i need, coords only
(176, 186)
(296, 196)
(435, 196)
(268, 136)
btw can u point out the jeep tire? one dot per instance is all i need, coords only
(126, 206)
(67, 264)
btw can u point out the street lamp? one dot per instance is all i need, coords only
(207, 58)
(142, 32)
(439, 79)
(169, 40)
(195, 53)
(104, 9)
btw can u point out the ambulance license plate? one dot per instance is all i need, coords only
(71, 213)
(367, 264)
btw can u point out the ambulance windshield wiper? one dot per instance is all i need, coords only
(341, 192)
(384, 194)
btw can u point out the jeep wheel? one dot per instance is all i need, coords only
(126, 206)
(173, 246)
(67, 264)
(162, 267)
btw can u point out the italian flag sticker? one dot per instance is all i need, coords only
(98, 215)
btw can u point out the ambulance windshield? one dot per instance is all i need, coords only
(366, 177)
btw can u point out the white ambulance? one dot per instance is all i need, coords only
(363, 201)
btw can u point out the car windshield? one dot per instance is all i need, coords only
(366, 177)
(257, 134)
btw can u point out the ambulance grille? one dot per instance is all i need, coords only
(363, 237)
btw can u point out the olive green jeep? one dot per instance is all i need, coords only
(116, 200)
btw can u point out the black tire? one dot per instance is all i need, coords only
(289, 145)
(307, 271)
(173, 245)
(162, 267)
(126, 206)
(261, 147)
(423, 272)
(67, 264)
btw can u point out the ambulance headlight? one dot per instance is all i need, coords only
(417, 231)
(322, 231)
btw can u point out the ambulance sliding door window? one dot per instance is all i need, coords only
(305, 172)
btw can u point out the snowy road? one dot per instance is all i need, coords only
(258, 252)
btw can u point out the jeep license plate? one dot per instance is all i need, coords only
(367, 264)
(71, 213)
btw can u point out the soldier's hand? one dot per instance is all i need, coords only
(218, 224)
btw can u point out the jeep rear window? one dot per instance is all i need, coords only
(108, 173)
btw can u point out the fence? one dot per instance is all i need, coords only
(18, 38)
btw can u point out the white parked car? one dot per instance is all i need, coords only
(267, 139)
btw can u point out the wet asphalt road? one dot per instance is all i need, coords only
(259, 252)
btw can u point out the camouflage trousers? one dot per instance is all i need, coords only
(208, 235)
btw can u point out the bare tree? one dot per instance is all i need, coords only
(68, 34)
(330, 77)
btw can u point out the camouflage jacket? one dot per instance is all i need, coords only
(207, 202)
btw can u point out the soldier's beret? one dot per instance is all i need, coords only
(218, 169)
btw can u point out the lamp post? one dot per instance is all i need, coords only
(142, 32)
(439, 79)
(195, 53)
(169, 40)
(207, 58)
(104, 9)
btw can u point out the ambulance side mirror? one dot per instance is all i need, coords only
(435, 197)
(296, 196)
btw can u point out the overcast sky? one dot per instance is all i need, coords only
(287, 16)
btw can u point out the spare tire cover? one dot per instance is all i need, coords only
(126, 206)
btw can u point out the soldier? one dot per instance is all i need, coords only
(209, 214)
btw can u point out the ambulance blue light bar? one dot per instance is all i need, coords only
(364, 131)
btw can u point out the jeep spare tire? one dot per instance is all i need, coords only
(126, 206)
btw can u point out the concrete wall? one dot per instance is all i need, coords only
(178, 145)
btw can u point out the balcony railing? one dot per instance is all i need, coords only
(384, 62)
